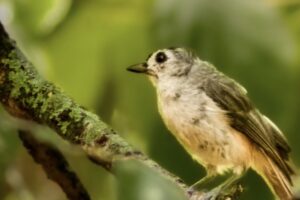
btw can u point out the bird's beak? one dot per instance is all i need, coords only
(138, 68)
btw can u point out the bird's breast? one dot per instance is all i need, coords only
(201, 127)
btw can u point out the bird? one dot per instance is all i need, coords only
(212, 117)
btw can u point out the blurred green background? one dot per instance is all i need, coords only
(84, 47)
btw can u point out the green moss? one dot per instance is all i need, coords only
(20, 74)
(64, 126)
(76, 114)
(48, 104)
(93, 126)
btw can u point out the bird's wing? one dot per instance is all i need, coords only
(247, 120)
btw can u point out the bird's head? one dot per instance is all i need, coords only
(166, 63)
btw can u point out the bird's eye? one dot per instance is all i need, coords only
(160, 57)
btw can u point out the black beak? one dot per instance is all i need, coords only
(138, 68)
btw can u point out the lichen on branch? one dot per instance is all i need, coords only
(25, 94)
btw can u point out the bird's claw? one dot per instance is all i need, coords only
(215, 194)
(201, 195)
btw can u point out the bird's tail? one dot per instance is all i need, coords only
(280, 184)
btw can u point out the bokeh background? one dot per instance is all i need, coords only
(84, 46)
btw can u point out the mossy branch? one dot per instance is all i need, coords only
(25, 94)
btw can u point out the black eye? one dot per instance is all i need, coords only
(160, 57)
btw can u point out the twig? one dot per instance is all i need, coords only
(55, 166)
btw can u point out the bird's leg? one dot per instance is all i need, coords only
(201, 185)
(203, 182)
(224, 187)
(230, 181)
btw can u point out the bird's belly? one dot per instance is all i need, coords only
(207, 136)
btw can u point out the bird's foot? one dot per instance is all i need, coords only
(217, 193)
(203, 195)
(213, 194)
(194, 192)
(195, 195)
(191, 192)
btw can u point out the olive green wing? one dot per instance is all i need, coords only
(243, 116)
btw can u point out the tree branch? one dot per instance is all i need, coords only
(55, 166)
(25, 94)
